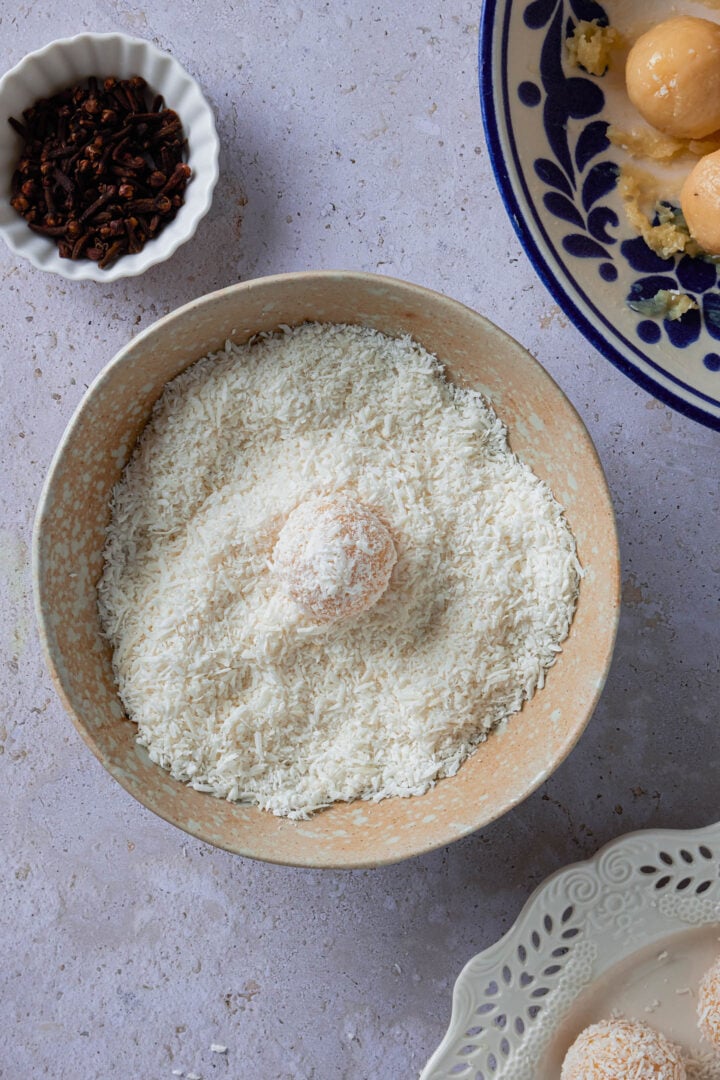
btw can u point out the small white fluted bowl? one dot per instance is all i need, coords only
(68, 61)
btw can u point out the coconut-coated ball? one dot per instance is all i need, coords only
(334, 557)
(621, 1048)
(708, 1005)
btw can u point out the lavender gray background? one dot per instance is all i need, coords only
(351, 138)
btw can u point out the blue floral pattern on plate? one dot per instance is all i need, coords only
(558, 180)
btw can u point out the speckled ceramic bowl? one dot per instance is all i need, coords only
(67, 61)
(74, 511)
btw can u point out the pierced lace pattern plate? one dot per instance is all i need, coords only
(631, 928)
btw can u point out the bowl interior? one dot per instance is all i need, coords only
(69, 536)
(66, 62)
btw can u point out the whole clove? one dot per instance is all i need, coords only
(102, 169)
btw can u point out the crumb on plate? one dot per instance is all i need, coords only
(655, 146)
(670, 235)
(590, 46)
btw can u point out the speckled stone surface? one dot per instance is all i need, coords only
(351, 138)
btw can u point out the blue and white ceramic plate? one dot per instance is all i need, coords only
(546, 128)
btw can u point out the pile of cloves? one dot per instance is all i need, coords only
(101, 172)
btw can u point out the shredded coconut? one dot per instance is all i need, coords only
(240, 690)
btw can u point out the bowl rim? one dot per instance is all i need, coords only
(494, 20)
(43, 620)
(174, 237)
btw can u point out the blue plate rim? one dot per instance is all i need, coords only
(488, 23)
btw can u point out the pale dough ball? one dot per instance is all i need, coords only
(673, 77)
(614, 1049)
(334, 557)
(708, 1005)
(700, 201)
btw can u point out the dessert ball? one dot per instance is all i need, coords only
(708, 1005)
(334, 557)
(673, 77)
(619, 1049)
(700, 201)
